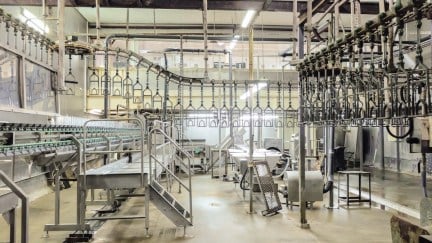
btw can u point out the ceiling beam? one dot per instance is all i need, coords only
(278, 5)
(190, 26)
(211, 38)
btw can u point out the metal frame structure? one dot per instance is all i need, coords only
(11, 210)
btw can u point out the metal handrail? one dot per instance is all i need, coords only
(139, 122)
(172, 141)
(170, 172)
(187, 154)
(25, 206)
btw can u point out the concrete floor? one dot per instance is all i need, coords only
(219, 216)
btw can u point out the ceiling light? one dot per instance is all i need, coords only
(247, 18)
(236, 37)
(31, 20)
(232, 44)
(254, 90)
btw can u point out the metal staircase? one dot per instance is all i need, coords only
(160, 196)
(183, 167)
(169, 206)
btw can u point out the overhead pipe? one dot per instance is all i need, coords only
(157, 68)
(61, 46)
(335, 5)
(44, 7)
(205, 28)
(194, 50)
(97, 19)
(295, 31)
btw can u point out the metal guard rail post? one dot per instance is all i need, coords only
(25, 206)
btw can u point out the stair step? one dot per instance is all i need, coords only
(169, 206)
(168, 196)
(117, 217)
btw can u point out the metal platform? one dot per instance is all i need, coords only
(119, 174)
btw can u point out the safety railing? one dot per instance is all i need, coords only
(140, 150)
(24, 205)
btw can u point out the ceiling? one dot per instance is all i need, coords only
(368, 6)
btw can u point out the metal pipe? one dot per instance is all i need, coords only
(98, 26)
(127, 30)
(335, 5)
(295, 29)
(331, 145)
(251, 132)
(194, 50)
(303, 221)
(283, 103)
(106, 88)
(231, 94)
(336, 17)
(61, 45)
(24, 204)
(205, 28)
(309, 26)
(165, 90)
(181, 56)
(44, 6)
(381, 127)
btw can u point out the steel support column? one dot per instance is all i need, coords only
(303, 221)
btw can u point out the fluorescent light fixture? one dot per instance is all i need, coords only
(247, 18)
(236, 37)
(31, 20)
(232, 44)
(254, 90)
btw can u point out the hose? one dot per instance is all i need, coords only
(328, 186)
(408, 133)
(286, 167)
(243, 182)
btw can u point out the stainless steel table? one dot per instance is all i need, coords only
(354, 199)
